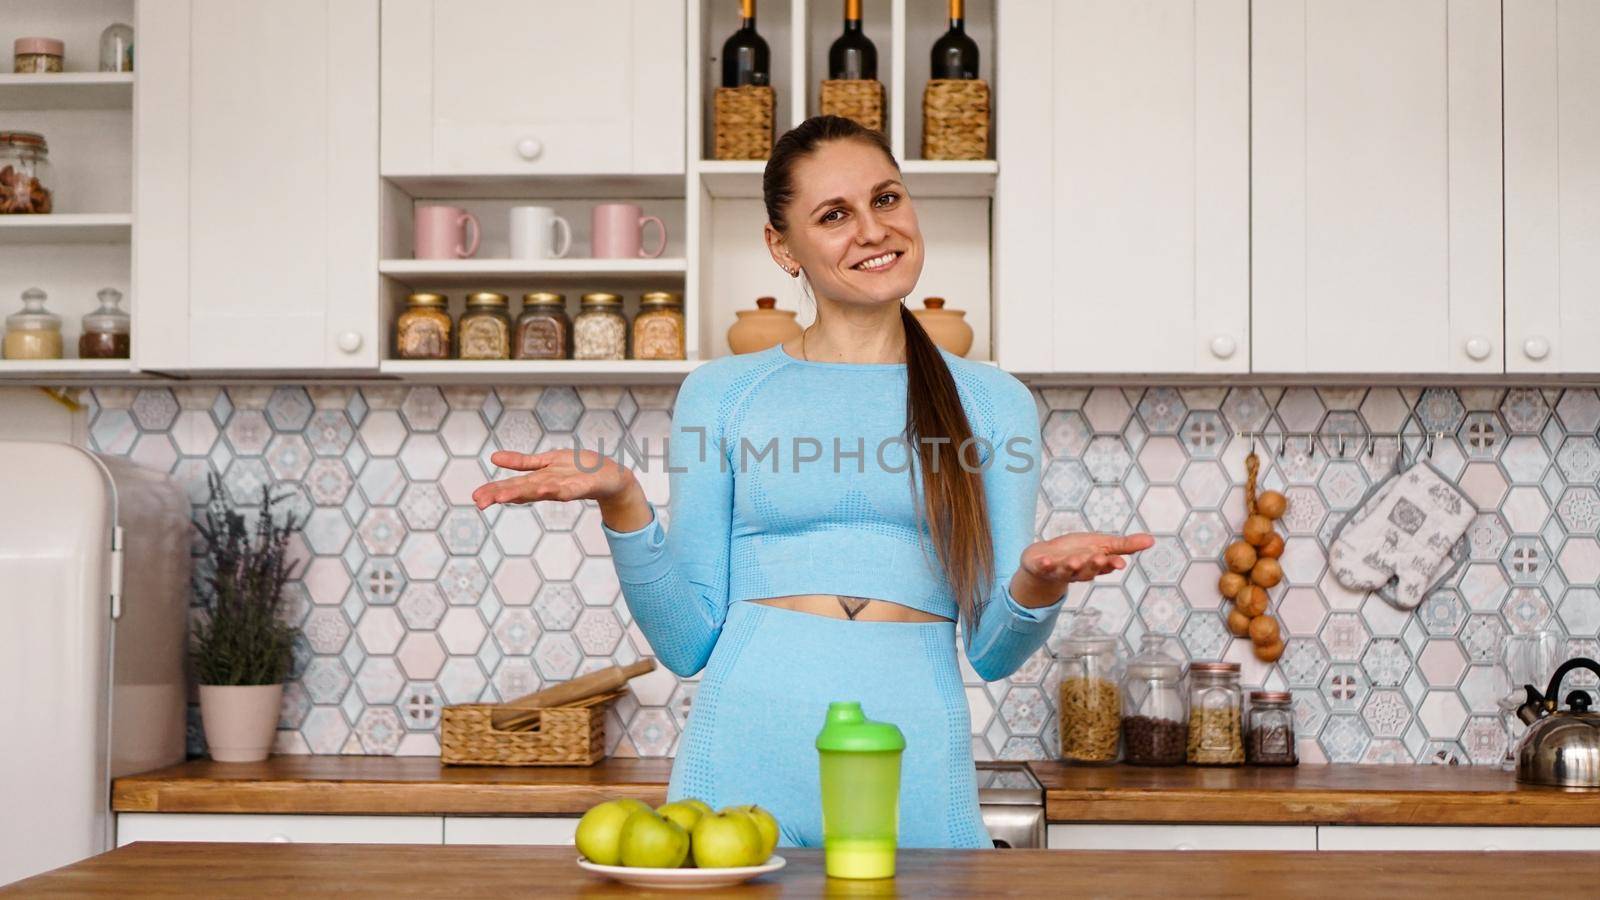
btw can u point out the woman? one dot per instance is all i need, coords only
(797, 569)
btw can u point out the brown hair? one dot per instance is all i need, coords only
(960, 528)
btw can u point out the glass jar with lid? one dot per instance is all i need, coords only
(105, 331)
(24, 173)
(1269, 734)
(543, 330)
(34, 333)
(599, 330)
(422, 330)
(658, 328)
(1155, 727)
(33, 55)
(486, 327)
(1215, 701)
(116, 48)
(1089, 708)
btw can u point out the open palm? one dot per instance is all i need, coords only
(1082, 556)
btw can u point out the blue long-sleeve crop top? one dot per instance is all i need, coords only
(789, 476)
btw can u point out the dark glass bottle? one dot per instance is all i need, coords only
(745, 58)
(853, 55)
(954, 54)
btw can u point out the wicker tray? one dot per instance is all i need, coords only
(564, 735)
(861, 100)
(955, 119)
(742, 122)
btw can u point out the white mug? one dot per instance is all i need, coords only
(533, 233)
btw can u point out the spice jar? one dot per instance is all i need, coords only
(1269, 737)
(658, 328)
(34, 333)
(543, 330)
(1155, 729)
(1214, 704)
(105, 331)
(1089, 710)
(24, 172)
(116, 48)
(486, 327)
(422, 330)
(599, 330)
(37, 54)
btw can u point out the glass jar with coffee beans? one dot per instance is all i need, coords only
(1214, 706)
(1155, 725)
(1269, 736)
(1089, 700)
(543, 330)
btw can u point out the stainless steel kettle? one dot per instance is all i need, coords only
(1562, 746)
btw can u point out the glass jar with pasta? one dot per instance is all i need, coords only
(1089, 699)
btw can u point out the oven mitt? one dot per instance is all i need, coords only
(1401, 533)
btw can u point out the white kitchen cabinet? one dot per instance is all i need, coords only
(1376, 186)
(256, 185)
(1429, 837)
(299, 829)
(1552, 139)
(1181, 837)
(1122, 230)
(517, 87)
(522, 830)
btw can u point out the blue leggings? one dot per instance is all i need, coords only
(752, 728)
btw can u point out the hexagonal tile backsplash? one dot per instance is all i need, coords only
(411, 599)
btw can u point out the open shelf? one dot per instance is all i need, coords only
(67, 90)
(925, 178)
(456, 272)
(43, 370)
(66, 228)
(536, 371)
(525, 187)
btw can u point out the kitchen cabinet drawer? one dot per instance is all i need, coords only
(1423, 837)
(280, 829)
(1181, 837)
(519, 830)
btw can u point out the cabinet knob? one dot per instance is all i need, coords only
(280, 838)
(1478, 348)
(1223, 346)
(350, 342)
(529, 148)
(1536, 348)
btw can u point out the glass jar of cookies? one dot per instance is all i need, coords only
(658, 328)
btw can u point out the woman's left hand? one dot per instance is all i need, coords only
(1082, 556)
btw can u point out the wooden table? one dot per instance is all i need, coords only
(306, 870)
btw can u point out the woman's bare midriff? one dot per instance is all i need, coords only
(859, 609)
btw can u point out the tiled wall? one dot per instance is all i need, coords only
(412, 599)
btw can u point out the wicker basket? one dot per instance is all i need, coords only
(955, 119)
(861, 100)
(564, 735)
(743, 122)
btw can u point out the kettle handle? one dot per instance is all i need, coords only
(1551, 698)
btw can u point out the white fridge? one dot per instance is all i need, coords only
(94, 592)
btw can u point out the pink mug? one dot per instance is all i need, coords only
(616, 232)
(442, 233)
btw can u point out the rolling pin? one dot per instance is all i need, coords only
(521, 712)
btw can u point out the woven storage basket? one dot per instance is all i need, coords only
(955, 119)
(742, 126)
(564, 735)
(861, 100)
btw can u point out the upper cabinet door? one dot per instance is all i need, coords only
(494, 87)
(1552, 79)
(256, 188)
(1122, 241)
(1375, 164)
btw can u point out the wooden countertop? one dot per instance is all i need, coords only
(346, 870)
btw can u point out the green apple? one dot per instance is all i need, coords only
(704, 807)
(684, 812)
(767, 824)
(599, 836)
(649, 841)
(725, 839)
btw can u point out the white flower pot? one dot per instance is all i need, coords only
(240, 720)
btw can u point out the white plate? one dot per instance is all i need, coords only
(690, 877)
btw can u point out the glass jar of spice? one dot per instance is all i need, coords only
(599, 330)
(1270, 733)
(486, 327)
(1089, 710)
(37, 54)
(658, 328)
(1214, 705)
(24, 173)
(34, 333)
(543, 330)
(422, 331)
(105, 331)
(1155, 729)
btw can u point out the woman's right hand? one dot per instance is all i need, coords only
(561, 474)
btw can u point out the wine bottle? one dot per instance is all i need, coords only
(745, 58)
(954, 54)
(852, 55)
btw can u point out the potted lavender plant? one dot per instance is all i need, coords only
(243, 647)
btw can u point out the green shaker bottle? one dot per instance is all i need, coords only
(860, 768)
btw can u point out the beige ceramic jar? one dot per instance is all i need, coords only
(762, 327)
(945, 326)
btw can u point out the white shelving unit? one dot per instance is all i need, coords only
(67, 228)
(425, 273)
(67, 90)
